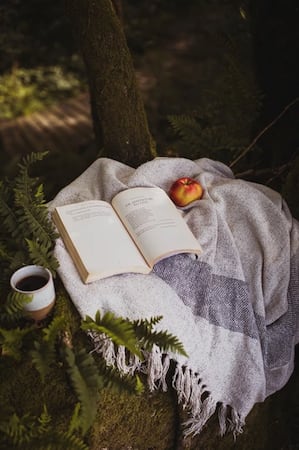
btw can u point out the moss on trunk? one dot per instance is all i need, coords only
(120, 121)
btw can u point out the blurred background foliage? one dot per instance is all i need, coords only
(40, 64)
(214, 74)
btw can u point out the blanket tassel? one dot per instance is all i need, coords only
(192, 393)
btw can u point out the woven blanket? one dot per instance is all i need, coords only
(235, 309)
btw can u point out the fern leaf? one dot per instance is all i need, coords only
(65, 440)
(29, 203)
(118, 329)
(44, 421)
(42, 255)
(5, 255)
(25, 220)
(29, 432)
(115, 380)
(20, 258)
(75, 419)
(24, 183)
(68, 441)
(43, 354)
(11, 341)
(42, 357)
(164, 340)
(84, 377)
(12, 309)
(7, 213)
(34, 219)
(53, 330)
(17, 429)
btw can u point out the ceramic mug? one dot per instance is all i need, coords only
(37, 282)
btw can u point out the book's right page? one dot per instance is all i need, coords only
(155, 224)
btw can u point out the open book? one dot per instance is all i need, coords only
(140, 227)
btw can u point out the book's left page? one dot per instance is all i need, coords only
(97, 240)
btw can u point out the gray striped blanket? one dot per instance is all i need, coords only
(235, 309)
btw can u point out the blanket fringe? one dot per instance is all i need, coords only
(192, 392)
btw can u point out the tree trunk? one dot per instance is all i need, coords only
(119, 117)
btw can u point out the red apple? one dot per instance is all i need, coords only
(185, 190)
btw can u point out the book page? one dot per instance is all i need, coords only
(97, 240)
(155, 224)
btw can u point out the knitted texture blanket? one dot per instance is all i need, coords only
(235, 309)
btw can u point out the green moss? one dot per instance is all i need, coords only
(22, 391)
(65, 308)
(148, 421)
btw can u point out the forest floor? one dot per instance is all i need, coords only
(179, 61)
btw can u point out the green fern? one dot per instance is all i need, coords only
(42, 255)
(5, 255)
(200, 137)
(11, 310)
(44, 352)
(29, 197)
(221, 127)
(74, 424)
(148, 337)
(27, 234)
(44, 421)
(117, 381)
(7, 212)
(118, 329)
(85, 380)
(34, 222)
(11, 341)
(135, 336)
(63, 441)
(29, 432)
(18, 430)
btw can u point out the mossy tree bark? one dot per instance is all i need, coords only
(119, 116)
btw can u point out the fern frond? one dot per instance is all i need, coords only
(44, 352)
(52, 331)
(67, 441)
(84, 377)
(27, 229)
(74, 424)
(29, 432)
(20, 258)
(11, 310)
(120, 382)
(188, 129)
(34, 219)
(5, 255)
(23, 182)
(9, 218)
(42, 255)
(42, 357)
(164, 340)
(44, 421)
(119, 330)
(11, 341)
(18, 430)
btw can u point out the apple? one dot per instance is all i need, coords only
(185, 190)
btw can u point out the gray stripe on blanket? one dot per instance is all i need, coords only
(278, 338)
(221, 300)
(225, 302)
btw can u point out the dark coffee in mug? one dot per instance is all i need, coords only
(31, 283)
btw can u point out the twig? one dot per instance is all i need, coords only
(277, 171)
(252, 144)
